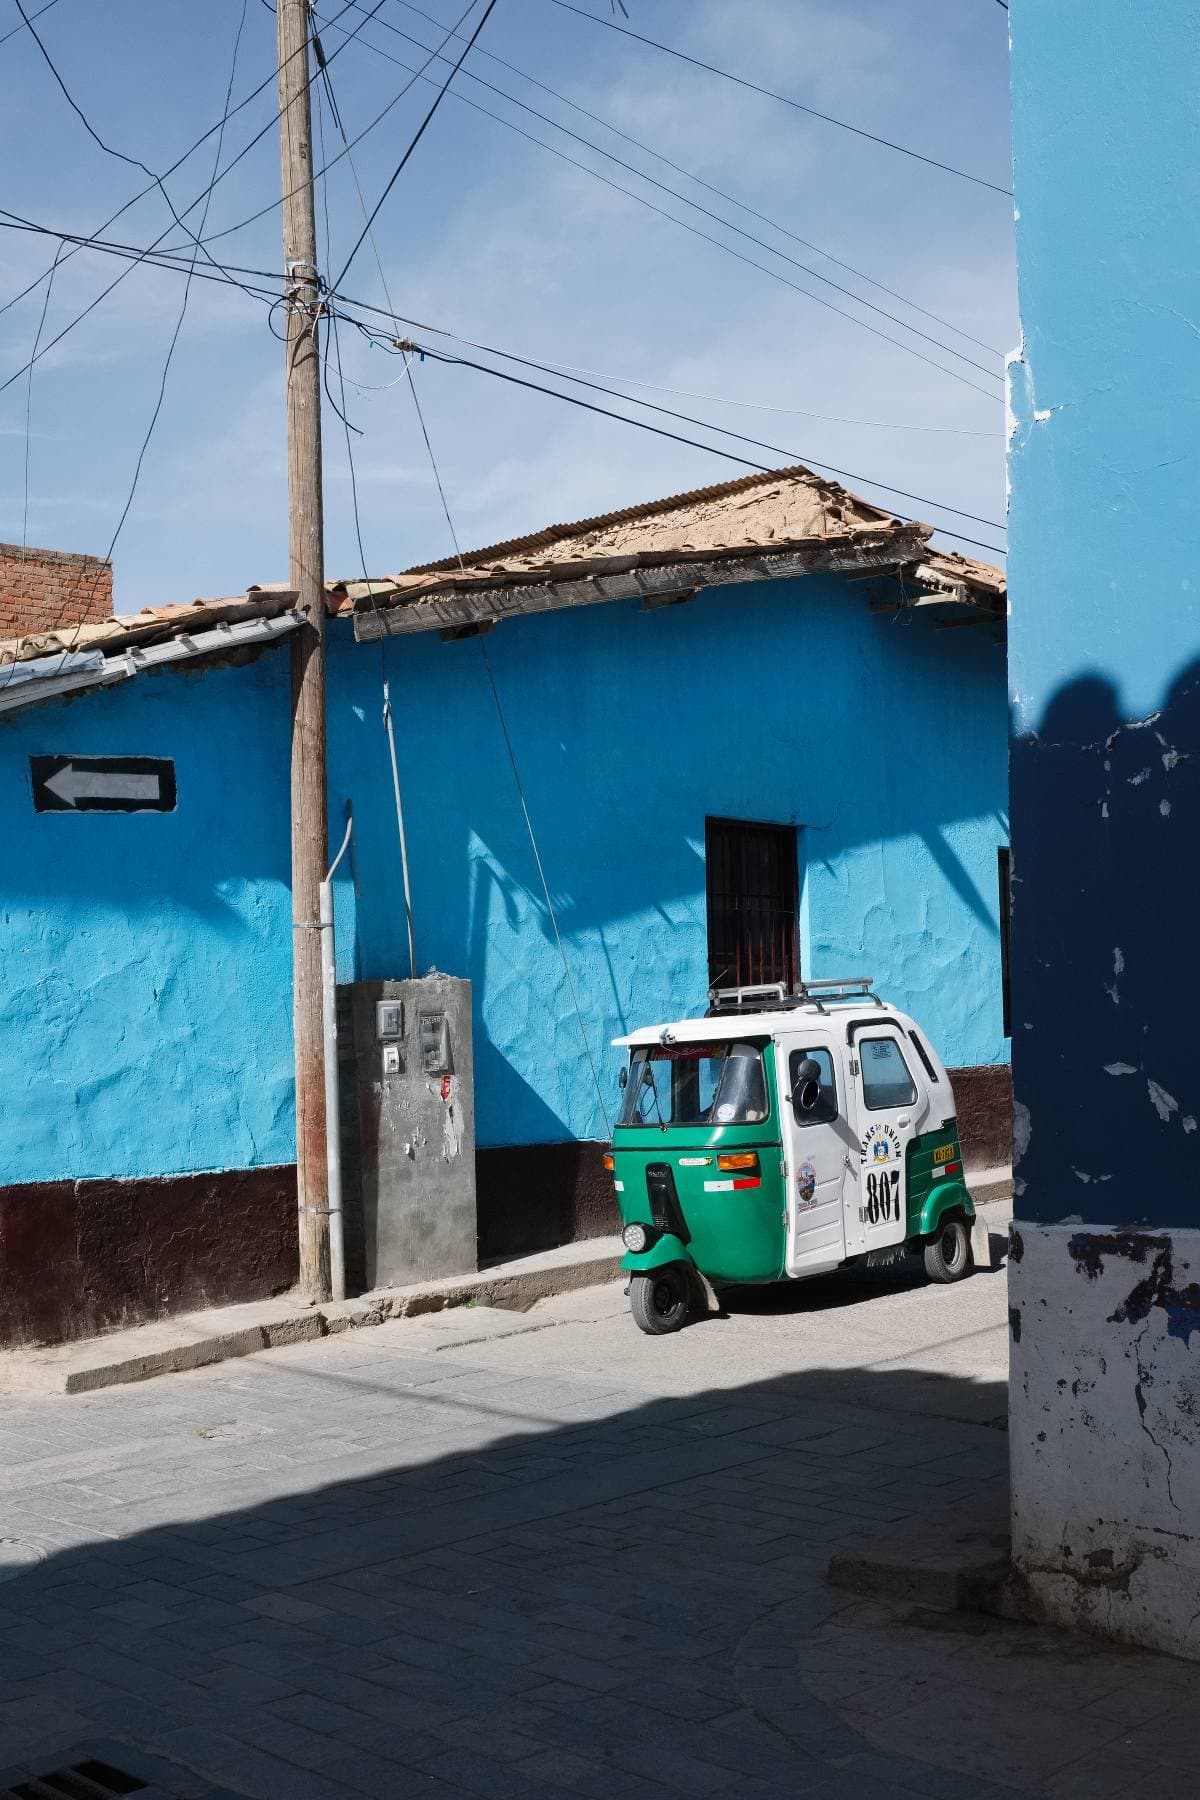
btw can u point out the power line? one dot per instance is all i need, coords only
(690, 175)
(170, 261)
(37, 338)
(109, 150)
(178, 163)
(162, 386)
(706, 211)
(692, 443)
(232, 164)
(572, 369)
(770, 94)
(791, 412)
(162, 259)
(24, 25)
(708, 238)
(414, 140)
(14, 222)
(329, 24)
(794, 456)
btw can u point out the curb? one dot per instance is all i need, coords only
(514, 1292)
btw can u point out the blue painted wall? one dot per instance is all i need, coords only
(146, 960)
(882, 737)
(145, 1026)
(1105, 638)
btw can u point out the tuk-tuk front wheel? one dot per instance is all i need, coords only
(662, 1300)
(948, 1255)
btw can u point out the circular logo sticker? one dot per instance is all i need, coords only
(881, 1145)
(806, 1182)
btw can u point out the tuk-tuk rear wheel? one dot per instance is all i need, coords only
(662, 1300)
(948, 1255)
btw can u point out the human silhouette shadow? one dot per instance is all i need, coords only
(1106, 854)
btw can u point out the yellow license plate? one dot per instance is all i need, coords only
(944, 1153)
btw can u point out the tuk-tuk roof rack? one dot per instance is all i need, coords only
(774, 996)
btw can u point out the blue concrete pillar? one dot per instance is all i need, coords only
(1105, 687)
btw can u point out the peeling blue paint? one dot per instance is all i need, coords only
(1105, 545)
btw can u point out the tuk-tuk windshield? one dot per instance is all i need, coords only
(695, 1084)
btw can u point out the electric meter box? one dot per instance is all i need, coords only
(408, 1130)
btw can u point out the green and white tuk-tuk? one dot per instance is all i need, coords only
(784, 1135)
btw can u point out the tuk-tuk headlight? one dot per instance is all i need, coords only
(635, 1238)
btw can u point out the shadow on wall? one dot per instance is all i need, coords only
(530, 1580)
(1106, 860)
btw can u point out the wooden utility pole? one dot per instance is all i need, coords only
(306, 545)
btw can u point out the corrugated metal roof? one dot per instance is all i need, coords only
(773, 511)
(778, 522)
(652, 509)
(153, 625)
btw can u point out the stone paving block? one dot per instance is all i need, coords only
(567, 1769)
(673, 1769)
(223, 1758)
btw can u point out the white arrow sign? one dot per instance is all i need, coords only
(73, 785)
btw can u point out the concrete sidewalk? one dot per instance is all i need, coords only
(199, 1339)
(196, 1340)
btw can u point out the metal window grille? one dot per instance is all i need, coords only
(752, 884)
(1003, 859)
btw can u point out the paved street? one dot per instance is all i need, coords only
(492, 1555)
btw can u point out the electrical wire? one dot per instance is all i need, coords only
(512, 758)
(708, 213)
(171, 347)
(14, 222)
(537, 857)
(791, 412)
(808, 462)
(23, 26)
(177, 164)
(109, 150)
(729, 249)
(695, 444)
(785, 99)
(795, 457)
(37, 336)
(572, 369)
(414, 140)
(173, 260)
(690, 174)
(201, 197)
(274, 205)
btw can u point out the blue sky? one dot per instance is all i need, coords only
(489, 236)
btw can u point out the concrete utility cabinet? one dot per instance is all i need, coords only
(408, 1111)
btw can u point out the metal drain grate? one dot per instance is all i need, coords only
(89, 1780)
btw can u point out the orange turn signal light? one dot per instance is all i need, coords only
(608, 1161)
(740, 1159)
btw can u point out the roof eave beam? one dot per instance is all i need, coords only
(651, 585)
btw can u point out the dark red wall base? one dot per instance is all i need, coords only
(537, 1196)
(81, 1257)
(983, 1098)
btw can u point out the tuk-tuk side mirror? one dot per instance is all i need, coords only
(807, 1089)
(623, 1077)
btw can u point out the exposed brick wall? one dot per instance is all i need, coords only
(45, 590)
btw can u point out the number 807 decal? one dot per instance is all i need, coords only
(883, 1196)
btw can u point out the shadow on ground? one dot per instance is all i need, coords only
(529, 1585)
